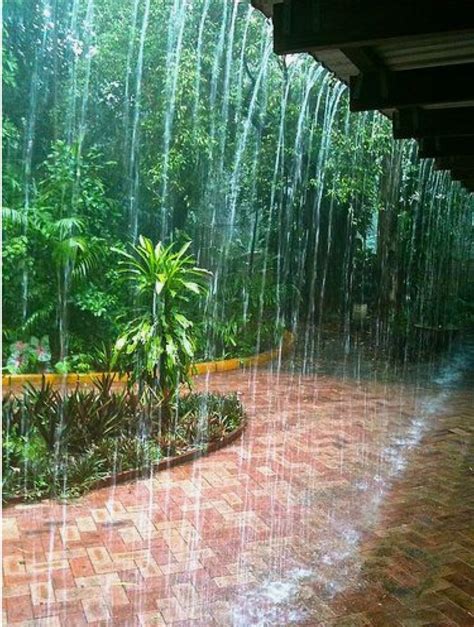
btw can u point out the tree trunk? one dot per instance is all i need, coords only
(387, 297)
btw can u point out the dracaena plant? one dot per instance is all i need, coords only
(158, 346)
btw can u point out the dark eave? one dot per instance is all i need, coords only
(411, 59)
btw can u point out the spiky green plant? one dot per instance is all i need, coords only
(159, 345)
(58, 443)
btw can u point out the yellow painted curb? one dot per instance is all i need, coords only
(222, 365)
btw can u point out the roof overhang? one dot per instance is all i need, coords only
(413, 60)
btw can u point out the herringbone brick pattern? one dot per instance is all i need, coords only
(342, 504)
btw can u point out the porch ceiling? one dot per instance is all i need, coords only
(411, 59)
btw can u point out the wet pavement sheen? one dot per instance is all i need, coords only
(344, 503)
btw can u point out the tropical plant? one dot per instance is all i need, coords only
(80, 362)
(245, 314)
(158, 346)
(29, 356)
(62, 206)
(56, 230)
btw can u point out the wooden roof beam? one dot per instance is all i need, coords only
(432, 147)
(458, 174)
(416, 122)
(468, 184)
(453, 163)
(321, 24)
(451, 84)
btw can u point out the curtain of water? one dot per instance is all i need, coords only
(175, 40)
(86, 48)
(133, 162)
(44, 11)
(269, 143)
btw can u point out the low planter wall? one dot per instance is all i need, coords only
(169, 462)
(222, 365)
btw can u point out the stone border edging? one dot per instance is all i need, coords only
(170, 462)
(206, 367)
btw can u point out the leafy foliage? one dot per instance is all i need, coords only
(29, 356)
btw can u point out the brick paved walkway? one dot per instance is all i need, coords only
(341, 505)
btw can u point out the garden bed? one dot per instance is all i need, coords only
(62, 443)
(164, 464)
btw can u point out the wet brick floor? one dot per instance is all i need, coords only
(342, 504)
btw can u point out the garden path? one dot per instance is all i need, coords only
(344, 503)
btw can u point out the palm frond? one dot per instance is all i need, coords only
(66, 226)
(14, 216)
(38, 316)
